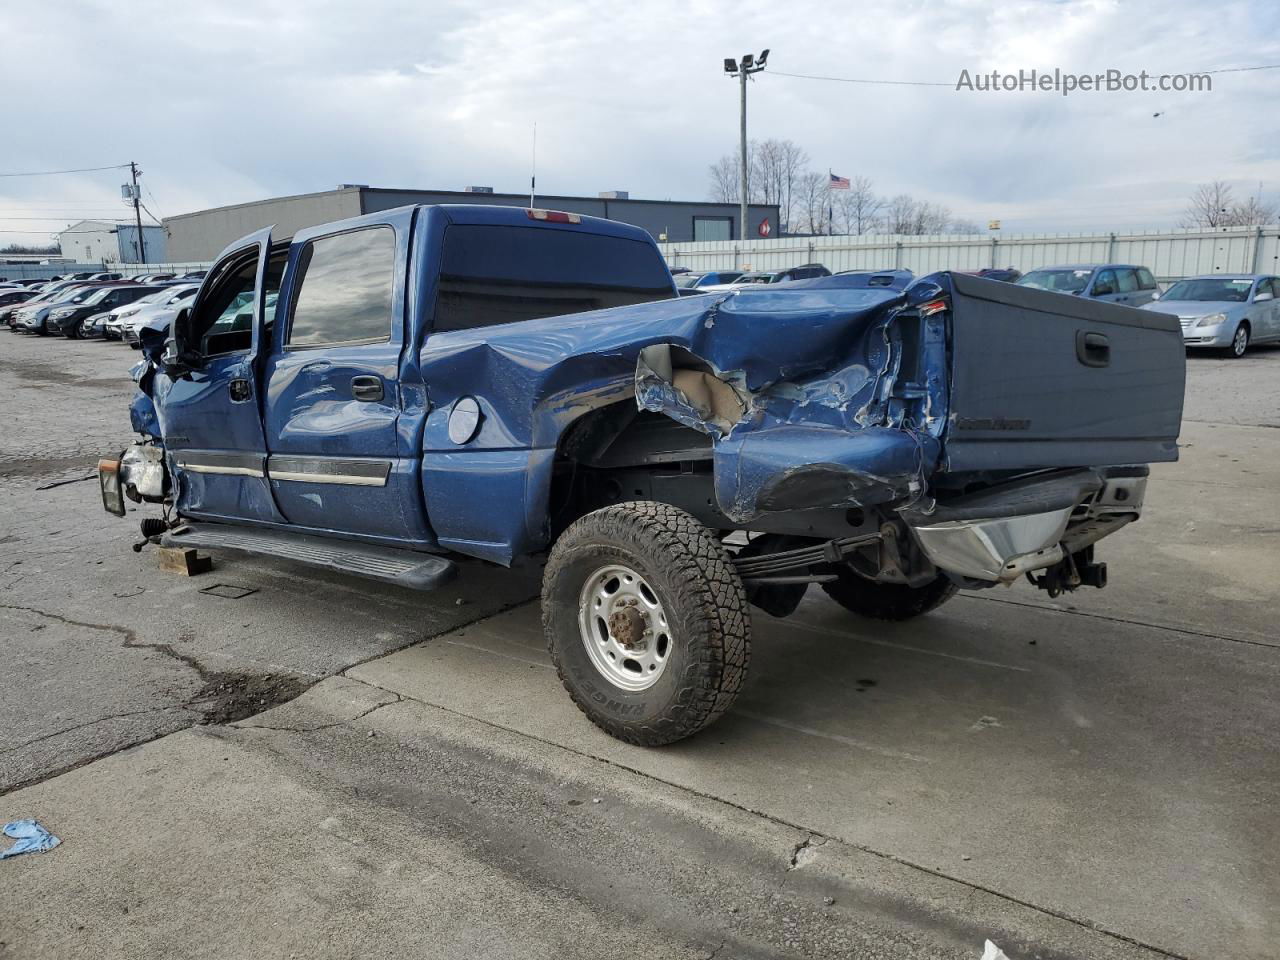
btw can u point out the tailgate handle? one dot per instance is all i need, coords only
(368, 389)
(1092, 349)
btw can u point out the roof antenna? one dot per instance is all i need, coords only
(533, 165)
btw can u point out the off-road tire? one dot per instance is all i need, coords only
(706, 606)
(887, 601)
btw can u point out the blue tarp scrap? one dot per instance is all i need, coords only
(29, 837)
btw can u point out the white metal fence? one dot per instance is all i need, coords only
(1169, 254)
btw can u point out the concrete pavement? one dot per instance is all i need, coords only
(1088, 776)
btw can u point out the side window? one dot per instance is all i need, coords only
(345, 286)
(223, 319)
(1145, 280)
(1274, 287)
(1128, 281)
(1104, 283)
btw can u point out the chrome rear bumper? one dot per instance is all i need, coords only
(1002, 546)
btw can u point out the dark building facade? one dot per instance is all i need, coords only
(200, 235)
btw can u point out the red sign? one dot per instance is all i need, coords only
(764, 229)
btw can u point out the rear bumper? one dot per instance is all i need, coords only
(1000, 534)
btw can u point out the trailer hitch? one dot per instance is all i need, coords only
(1073, 571)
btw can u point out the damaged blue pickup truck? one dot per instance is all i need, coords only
(399, 395)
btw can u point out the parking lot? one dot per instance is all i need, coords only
(349, 769)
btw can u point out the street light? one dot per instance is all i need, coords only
(750, 64)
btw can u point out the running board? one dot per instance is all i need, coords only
(405, 568)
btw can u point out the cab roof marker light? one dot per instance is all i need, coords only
(552, 216)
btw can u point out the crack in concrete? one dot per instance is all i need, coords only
(327, 726)
(89, 723)
(812, 839)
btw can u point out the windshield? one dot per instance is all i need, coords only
(1060, 281)
(1235, 290)
(84, 295)
(91, 297)
(159, 296)
(686, 280)
(757, 278)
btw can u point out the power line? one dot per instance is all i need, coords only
(52, 173)
(938, 83)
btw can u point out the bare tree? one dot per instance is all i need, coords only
(1210, 206)
(777, 168)
(964, 226)
(812, 201)
(1254, 212)
(905, 214)
(858, 208)
(724, 180)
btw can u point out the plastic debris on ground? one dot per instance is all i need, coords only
(29, 837)
(992, 952)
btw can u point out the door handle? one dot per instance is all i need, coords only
(367, 389)
(239, 390)
(1092, 349)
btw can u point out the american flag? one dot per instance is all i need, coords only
(837, 183)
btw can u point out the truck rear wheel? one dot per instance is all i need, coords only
(887, 601)
(646, 620)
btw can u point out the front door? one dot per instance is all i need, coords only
(336, 459)
(211, 419)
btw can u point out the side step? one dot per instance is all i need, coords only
(405, 568)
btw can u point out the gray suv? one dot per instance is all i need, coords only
(1115, 282)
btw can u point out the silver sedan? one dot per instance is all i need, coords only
(1224, 312)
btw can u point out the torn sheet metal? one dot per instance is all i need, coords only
(795, 387)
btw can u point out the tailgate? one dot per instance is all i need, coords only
(1043, 379)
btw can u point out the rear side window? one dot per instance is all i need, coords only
(1145, 280)
(345, 285)
(1128, 280)
(491, 274)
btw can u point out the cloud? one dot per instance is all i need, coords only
(224, 103)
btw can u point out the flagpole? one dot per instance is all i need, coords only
(830, 202)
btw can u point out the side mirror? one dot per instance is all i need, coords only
(1101, 290)
(177, 360)
(1155, 295)
(1262, 297)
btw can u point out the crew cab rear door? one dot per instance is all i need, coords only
(211, 420)
(336, 459)
(1043, 379)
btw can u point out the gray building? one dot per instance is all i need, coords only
(199, 236)
(109, 242)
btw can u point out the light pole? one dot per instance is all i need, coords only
(750, 64)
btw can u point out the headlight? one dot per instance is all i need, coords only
(1212, 320)
(127, 313)
(64, 312)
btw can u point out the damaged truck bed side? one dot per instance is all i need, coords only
(391, 394)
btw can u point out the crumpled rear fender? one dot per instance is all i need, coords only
(797, 389)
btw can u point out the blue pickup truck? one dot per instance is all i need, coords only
(396, 395)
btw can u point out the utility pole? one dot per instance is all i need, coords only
(749, 64)
(137, 213)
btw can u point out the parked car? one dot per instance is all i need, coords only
(1225, 312)
(66, 319)
(1003, 274)
(692, 281)
(871, 440)
(1113, 282)
(13, 297)
(8, 314)
(193, 275)
(34, 317)
(164, 303)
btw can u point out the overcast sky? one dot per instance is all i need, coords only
(223, 103)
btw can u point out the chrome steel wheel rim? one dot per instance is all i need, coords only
(1241, 341)
(624, 627)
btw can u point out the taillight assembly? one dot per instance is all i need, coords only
(553, 216)
(932, 307)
